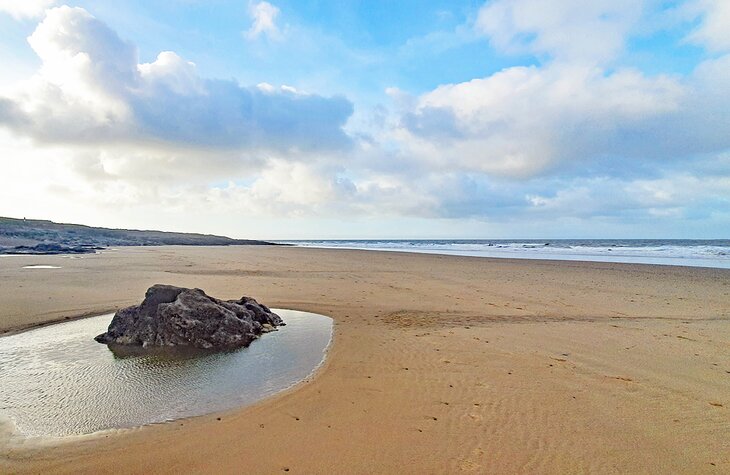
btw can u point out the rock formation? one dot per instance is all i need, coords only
(173, 316)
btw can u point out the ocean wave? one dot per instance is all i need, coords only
(697, 253)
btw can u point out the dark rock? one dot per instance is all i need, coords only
(49, 249)
(173, 316)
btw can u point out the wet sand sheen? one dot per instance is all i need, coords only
(438, 365)
(57, 381)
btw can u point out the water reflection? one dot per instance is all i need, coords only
(57, 381)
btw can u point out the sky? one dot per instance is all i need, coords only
(371, 119)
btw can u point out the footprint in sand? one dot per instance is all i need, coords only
(470, 465)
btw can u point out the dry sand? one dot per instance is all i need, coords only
(439, 364)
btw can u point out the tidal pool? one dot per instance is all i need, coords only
(57, 381)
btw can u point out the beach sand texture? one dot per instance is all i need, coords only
(439, 364)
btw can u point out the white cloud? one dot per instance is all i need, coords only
(86, 71)
(673, 195)
(110, 133)
(286, 189)
(714, 29)
(170, 72)
(573, 30)
(264, 17)
(21, 9)
(523, 121)
(577, 112)
(90, 89)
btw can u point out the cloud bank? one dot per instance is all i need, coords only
(572, 136)
(92, 90)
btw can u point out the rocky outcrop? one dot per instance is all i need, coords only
(173, 316)
(32, 236)
(49, 249)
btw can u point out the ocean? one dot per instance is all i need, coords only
(680, 252)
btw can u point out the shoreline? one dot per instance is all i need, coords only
(703, 263)
(55, 321)
(27, 445)
(437, 364)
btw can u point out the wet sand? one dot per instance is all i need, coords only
(439, 364)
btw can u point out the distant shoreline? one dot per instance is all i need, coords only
(40, 237)
(711, 253)
(62, 250)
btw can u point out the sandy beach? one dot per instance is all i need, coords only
(438, 365)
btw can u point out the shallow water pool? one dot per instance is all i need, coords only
(57, 381)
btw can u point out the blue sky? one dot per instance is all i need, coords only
(366, 119)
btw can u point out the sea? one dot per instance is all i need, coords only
(676, 252)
